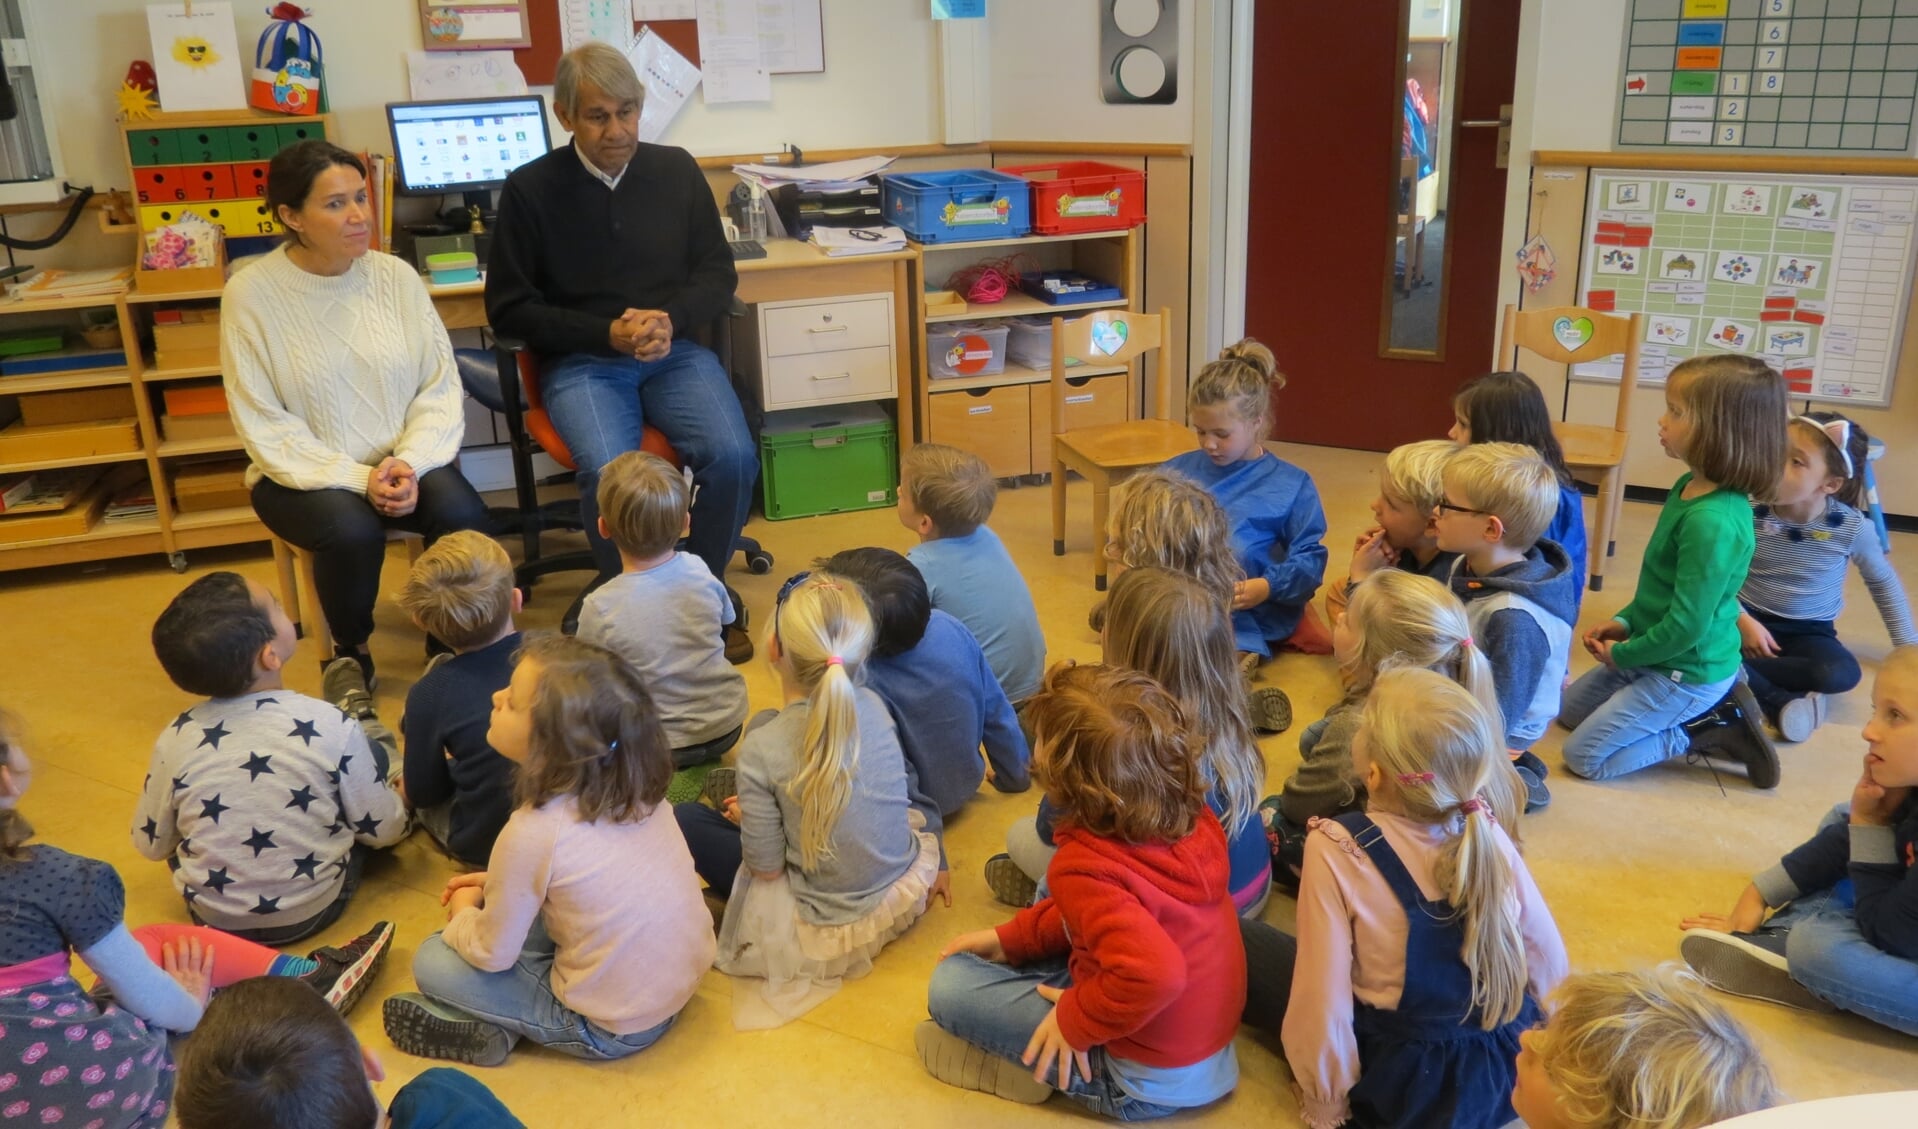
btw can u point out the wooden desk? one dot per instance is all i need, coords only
(791, 269)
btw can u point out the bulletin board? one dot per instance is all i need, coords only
(1811, 274)
(1790, 75)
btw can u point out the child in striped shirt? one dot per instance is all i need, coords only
(1804, 537)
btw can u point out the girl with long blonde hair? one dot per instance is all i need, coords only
(1423, 943)
(814, 845)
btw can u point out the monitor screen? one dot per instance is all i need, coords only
(466, 145)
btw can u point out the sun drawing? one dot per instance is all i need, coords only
(194, 51)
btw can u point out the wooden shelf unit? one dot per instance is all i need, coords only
(1005, 417)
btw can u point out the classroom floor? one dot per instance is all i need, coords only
(1619, 862)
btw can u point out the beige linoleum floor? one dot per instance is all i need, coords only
(1620, 862)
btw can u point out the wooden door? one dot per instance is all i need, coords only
(1328, 105)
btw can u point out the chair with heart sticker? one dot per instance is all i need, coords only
(1105, 453)
(1576, 335)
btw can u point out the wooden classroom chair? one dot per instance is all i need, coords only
(1106, 453)
(1575, 335)
(296, 573)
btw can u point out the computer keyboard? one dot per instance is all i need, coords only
(747, 249)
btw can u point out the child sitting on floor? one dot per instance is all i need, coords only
(1637, 1050)
(945, 496)
(264, 801)
(1411, 485)
(1122, 988)
(586, 932)
(1518, 590)
(461, 791)
(1423, 943)
(1845, 932)
(1277, 521)
(1507, 407)
(1803, 537)
(1666, 681)
(1396, 618)
(269, 1055)
(665, 612)
(819, 854)
(933, 677)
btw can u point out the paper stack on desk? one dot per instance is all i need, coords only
(841, 241)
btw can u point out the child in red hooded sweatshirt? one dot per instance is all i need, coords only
(1121, 989)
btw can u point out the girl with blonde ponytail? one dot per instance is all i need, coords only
(814, 845)
(1423, 943)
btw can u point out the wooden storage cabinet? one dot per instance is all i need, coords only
(817, 351)
(993, 423)
(1089, 400)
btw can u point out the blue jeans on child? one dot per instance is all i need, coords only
(1625, 720)
(599, 405)
(521, 999)
(997, 1007)
(1826, 952)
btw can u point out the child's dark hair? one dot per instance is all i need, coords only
(14, 828)
(292, 171)
(595, 733)
(1738, 406)
(895, 595)
(270, 1053)
(1857, 450)
(209, 637)
(1113, 752)
(1508, 407)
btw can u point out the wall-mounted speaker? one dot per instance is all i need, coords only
(1139, 51)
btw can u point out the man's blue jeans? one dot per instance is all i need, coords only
(600, 404)
(521, 999)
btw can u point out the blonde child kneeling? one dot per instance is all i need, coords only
(819, 855)
(589, 902)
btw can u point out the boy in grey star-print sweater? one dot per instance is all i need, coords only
(262, 800)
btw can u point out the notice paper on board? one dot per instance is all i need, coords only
(433, 76)
(668, 78)
(733, 67)
(583, 21)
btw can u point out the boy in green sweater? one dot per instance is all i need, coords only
(1666, 683)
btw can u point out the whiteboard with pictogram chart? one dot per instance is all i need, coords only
(1775, 75)
(1810, 274)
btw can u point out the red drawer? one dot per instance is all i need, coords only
(164, 185)
(209, 182)
(249, 179)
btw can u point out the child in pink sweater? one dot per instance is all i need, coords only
(590, 898)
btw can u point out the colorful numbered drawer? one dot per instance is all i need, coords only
(218, 144)
(235, 218)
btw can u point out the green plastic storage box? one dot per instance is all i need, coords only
(828, 460)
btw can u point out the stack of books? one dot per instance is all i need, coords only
(46, 284)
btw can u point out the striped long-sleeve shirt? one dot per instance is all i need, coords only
(1798, 570)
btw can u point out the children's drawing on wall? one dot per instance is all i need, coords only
(1811, 203)
(1621, 260)
(1747, 200)
(1739, 267)
(196, 56)
(1696, 198)
(1797, 272)
(1681, 265)
(1665, 329)
(1788, 340)
(1631, 196)
(1729, 334)
(1537, 265)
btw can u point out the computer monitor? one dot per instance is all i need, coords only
(466, 145)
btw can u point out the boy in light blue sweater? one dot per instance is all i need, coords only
(945, 496)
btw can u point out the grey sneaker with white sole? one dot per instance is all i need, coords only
(1749, 965)
(1799, 718)
(428, 1029)
(1009, 884)
(956, 1062)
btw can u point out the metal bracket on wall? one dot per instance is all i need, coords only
(1139, 51)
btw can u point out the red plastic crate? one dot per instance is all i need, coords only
(1083, 196)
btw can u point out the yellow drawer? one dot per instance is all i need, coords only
(1090, 400)
(993, 423)
(829, 378)
(823, 327)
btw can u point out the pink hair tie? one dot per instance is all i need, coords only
(1474, 804)
(835, 660)
(1410, 778)
(1465, 642)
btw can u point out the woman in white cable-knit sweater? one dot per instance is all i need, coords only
(342, 386)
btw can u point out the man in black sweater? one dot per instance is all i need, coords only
(608, 252)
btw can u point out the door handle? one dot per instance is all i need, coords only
(1486, 123)
(1502, 123)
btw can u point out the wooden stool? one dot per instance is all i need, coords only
(290, 559)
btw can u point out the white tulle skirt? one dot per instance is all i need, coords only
(784, 966)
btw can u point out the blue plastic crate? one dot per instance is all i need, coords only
(964, 204)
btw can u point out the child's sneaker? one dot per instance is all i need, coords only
(1533, 772)
(423, 1027)
(1272, 821)
(1747, 964)
(1799, 718)
(1269, 710)
(721, 784)
(1096, 618)
(1249, 665)
(956, 1062)
(345, 683)
(1734, 729)
(346, 972)
(1008, 883)
(368, 680)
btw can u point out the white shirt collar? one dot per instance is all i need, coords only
(608, 181)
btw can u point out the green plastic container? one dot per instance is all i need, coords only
(828, 460)
(26, 342)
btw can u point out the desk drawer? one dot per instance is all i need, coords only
(826, 378)
(993, 423)
(823, 327)
(1090, 401)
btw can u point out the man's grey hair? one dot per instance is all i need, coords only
(600, 66)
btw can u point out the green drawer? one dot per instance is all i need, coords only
(206, 146)
(249, 143)
(148, 147)
(292, 133)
